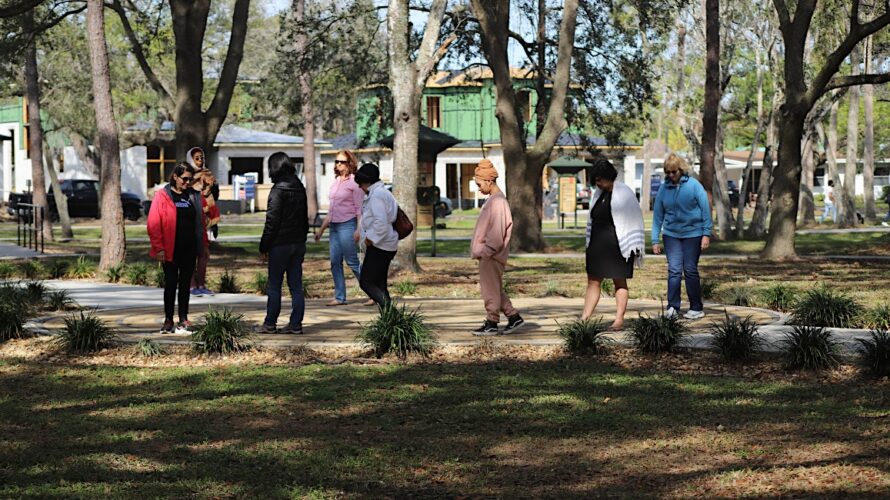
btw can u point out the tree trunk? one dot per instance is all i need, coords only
(757, 228)
(832, 172)
(308, 112)
(783, 216)
(61, 200)
(114, 244)
(90, 159)
(749, 165)
(35, 136)
(868, 167)
(806, 203)
(712, 98)
(721, 195)
(847, 212)
(646, 181)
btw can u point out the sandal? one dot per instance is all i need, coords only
(369, 302)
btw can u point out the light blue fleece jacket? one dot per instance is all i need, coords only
(681, 210)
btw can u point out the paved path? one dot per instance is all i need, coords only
(13, 251)
(136, 312)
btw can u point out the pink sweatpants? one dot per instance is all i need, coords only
(491, 284)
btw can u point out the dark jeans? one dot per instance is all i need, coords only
(286, 258)
(682, 256)
(178, 274)
(374, 273)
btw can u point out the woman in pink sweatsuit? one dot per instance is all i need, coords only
(491, 246)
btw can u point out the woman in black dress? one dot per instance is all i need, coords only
(615, 216)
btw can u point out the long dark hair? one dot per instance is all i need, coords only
(181, 168)
(281, 167)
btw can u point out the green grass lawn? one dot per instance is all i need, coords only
(562, 428)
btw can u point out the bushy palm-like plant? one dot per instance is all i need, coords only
(585, 336)
(35, 292)
(158, 276)
(114, 273)
(657, 334)
(85, 332)
(222, 332)
(228, 283)
(810, 348)
(260, 282)
(736, 339)
(137, 273)
(405, 288)
(12, 321)
(7, 270)
(708, 289)
(59, 300)
(877, 318)
(83, 268)
(738, 294)
(876, 352)
(779, 297)
(57, 269)
(149, 348)
(32, 269)
(399, 331)
(823, 306)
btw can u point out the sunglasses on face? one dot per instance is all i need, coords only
(187, 180)
(671, 172)
(344, 162)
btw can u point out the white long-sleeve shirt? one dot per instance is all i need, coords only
(378, 213)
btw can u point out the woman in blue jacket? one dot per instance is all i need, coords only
(682, 218)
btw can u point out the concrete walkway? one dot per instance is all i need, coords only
(10, 251)
(137, 312)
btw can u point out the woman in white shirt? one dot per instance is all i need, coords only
(377, 234)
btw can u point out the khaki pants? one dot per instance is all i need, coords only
(491, 274)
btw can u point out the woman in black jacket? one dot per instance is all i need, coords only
(283, 243)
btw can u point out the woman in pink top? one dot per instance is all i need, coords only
(344, 213)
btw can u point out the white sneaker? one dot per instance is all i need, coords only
(690, 314)
(670, 312)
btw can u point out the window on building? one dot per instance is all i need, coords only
(433, 112)
(160, 161)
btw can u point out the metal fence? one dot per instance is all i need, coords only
(29, 226)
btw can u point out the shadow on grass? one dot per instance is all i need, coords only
(562, 428)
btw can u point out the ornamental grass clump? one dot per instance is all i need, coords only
(810, 348)
(35, 292)
(825, 307)
(59, 300)
(12, 321)
(585, 336)
(876, 318)
(57, 269)
(875, 352)
(406, 288)
(736, 339)
(228, 283)
(222, 332)
(658, 334)
(779, 297)
(85, 332)
(83, 268)
(7, 270)
(149, 348)
(738, 294)
(32, 269)
(137, 274)
(114, 273)
(260, 283)
(158, 278)
(400, 331)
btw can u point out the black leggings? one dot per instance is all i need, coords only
(374, 273)
(178, 273)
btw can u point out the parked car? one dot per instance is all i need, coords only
(83, 200)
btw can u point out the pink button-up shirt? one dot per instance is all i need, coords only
(345, 199)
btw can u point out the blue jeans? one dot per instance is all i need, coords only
(343, 246)
(286, 258)
(682, 256)
(829, 209)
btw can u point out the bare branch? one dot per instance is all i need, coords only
(782, 10)
(839, 82)
(136, 46)
(428, 55)
(18, 9)
(216, 113)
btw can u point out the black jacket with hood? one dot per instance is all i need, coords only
(287, 215)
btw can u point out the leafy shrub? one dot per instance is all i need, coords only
(876, 352)
(779, 297)
(59, 300)
(137, 273)
(708, 289)
(149, 348)
(877, 318)
(822, 306)
(114, 273)
(608, 287)
(810, 348)
(738, 294)
(260, 283)
(15, 295)
(222, 332)
(399, 331)
(57, 269)
(35, 292)
(158, 277)
(84, 268)
(7, 270)
(657, 334)
(584, 336)
(12, 320)
(85, 332)
(405, 288)
(736, 339)
(32, 269)
(228, 283)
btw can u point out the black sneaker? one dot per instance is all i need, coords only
(168, 327)
(264, 328)
(291, 330)
(488, 329)
(513, 322)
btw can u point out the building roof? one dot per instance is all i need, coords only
(473, 77)
(566, 140)
(235, 135)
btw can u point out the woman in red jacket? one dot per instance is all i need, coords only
(177, 231)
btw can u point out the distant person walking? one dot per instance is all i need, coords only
(195, 157)
(283, 244)
(616, 239)
(177, 234)
(682, 216)
(378, 236)
(491, 246)
(828, 199)
(343, 218)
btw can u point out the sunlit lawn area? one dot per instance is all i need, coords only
(563, 428)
